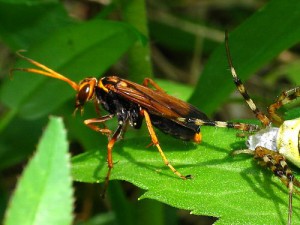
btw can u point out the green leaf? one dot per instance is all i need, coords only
(235, 189)
(292, 114)
(100, 219)
(78, 51)
(165, 34)
(44, 192)
(222, 185)
(290, 70)
(12, 151)
(23, 23)
(254, 43)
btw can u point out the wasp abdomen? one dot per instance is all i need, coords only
(170, 127)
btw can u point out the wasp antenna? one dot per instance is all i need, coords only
(14, 69)
(45, 71)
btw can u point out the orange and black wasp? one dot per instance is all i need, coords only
(132, 103)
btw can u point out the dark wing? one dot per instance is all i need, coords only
(157, 102)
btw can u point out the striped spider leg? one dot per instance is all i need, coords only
(272, 146)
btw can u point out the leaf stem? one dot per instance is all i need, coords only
(139, 60)
(6, 118)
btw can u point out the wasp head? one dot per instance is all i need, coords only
(86, 91)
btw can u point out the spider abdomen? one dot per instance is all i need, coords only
(266, 138)
(288, 140)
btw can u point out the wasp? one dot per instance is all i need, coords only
(271, 145)
(133, 103)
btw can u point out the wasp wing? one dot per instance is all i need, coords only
(158, 102)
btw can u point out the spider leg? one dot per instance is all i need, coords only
(277, 164)
(284, 98)
(156, 143)
(241, 88)
(237, 126)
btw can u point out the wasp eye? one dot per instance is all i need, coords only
(86, 91)
(84, 94)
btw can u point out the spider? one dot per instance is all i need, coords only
(271, 145)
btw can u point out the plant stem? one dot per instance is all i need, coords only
(122, 207)
(7, 118)
(150, 212)
(139, 60)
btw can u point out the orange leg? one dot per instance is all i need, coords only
(90, 124)
(153, 83)
(156, 143)
(97, 107)
(284, 98)
(110, 145)
(110, 164)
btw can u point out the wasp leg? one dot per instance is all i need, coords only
(153, 83)
(90, 124)
(97, 107)
(241, 88)
(156, 143)
(110, 146)
(98, 111)
(124, 129)
(284, 98)
(277, 164)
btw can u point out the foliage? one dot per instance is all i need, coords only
(45, 182)
(222, 185)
